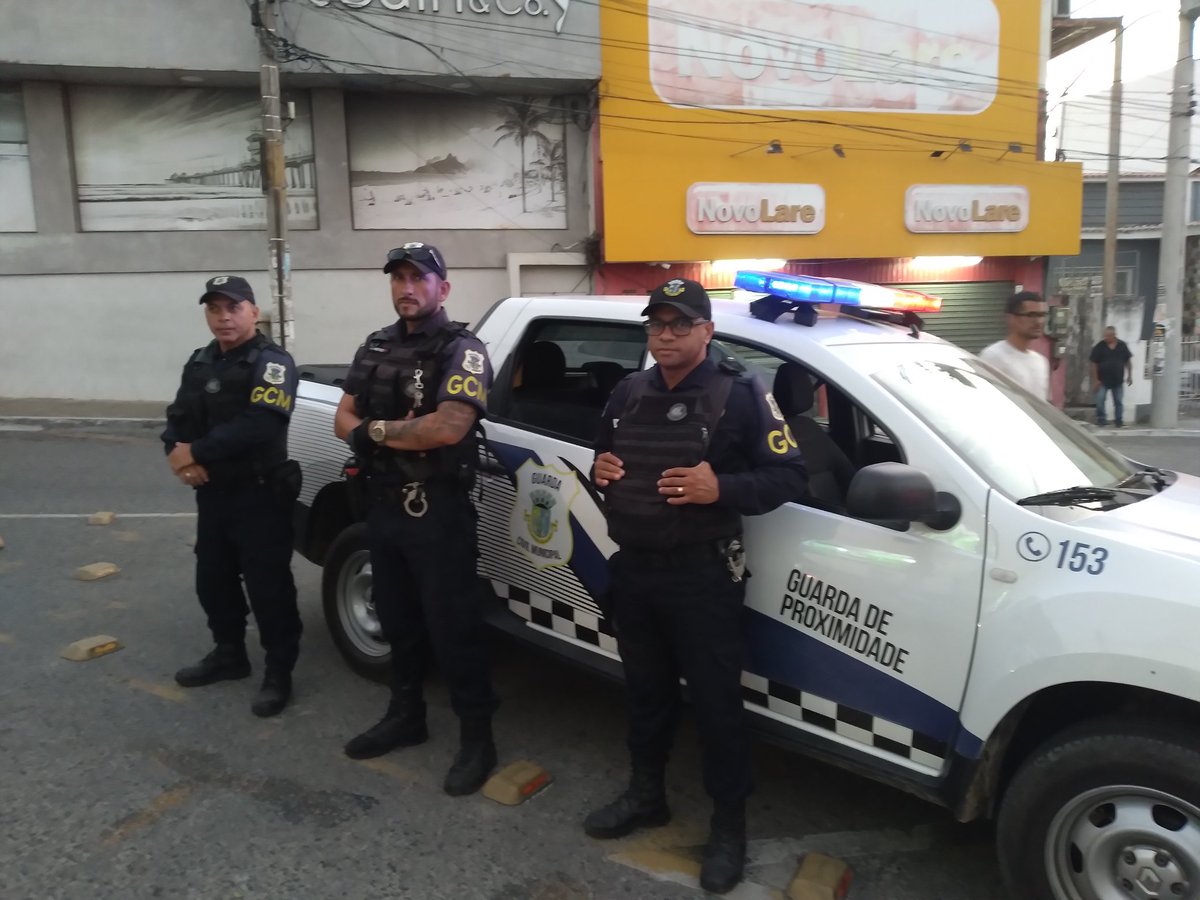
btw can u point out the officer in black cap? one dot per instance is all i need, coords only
(226, 437)
(413, 399)
(685, 449)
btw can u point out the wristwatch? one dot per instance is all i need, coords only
(378, 431)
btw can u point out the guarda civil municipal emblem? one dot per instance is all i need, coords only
(540, 526)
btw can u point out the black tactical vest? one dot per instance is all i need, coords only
(399, 376)
(212, 396)
(659, 430)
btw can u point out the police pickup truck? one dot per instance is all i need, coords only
(981, 604)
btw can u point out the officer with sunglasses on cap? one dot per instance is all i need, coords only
(413, 397)
(685, 449)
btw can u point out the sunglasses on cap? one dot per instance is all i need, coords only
(426, 257)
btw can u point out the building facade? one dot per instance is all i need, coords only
(130, 170)
(895, 143)
(1134, 306)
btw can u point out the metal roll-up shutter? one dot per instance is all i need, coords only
(972, 313)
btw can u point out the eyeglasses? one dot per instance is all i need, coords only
(680, 327)
(1032, 315)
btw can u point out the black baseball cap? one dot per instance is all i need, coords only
(235, 287)
(426, 257)
(687, 296)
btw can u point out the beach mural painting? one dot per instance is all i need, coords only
(423, 162)
(182, 159)
(16, 186)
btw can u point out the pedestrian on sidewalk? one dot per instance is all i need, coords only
(1013, 356)
(1111, 365)
(226, 438)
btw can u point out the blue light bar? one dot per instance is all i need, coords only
(810, 289)
(803, 288)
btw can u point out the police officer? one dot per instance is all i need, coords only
(226, 437)
(413, 398)
(684, 450)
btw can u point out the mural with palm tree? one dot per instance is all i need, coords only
(473, 162)
(551, 164)
(524, 118)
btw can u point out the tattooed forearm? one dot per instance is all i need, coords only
(446, 425)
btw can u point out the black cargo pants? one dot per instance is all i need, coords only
(244, 537)
(428, 596)
(679, 614)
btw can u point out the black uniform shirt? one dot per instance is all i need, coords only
(272, 397)
(464, 365)
(1110, 362)
(752, 450)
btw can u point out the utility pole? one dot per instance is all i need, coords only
(1112, 196)
(274, 175)
(1165, 344)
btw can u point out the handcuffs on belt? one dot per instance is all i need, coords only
(734, 554)
(416, 504)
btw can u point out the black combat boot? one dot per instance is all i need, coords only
(403, 725)
(725, 852)
(226, 662)
(274, 694)
(475, 759)
(642, 805)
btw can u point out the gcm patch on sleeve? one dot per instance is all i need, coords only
(275, 373)
(473, 362)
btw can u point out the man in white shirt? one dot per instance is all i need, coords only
(1013, 356)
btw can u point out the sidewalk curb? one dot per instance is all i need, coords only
(1106, 433)
(80, 420)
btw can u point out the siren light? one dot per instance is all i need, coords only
(811, 289)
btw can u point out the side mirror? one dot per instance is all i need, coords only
(896, 495)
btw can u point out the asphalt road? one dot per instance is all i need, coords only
(118, 783)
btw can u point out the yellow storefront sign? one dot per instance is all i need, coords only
(888, 128)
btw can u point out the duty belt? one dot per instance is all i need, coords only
(676, 557)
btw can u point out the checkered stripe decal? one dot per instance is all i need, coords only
(845, 721)
(558, 616)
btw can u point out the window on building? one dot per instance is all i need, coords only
(16, 184)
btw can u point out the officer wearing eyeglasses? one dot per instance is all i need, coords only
(413, 397)
(685, 449)
(1014, 356)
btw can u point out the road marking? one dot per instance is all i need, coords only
(843, 844)
(69, 419)
(154, 811)
(174, 515)
(385, 767)
(20, 427)
(165, 691)
(673, 855)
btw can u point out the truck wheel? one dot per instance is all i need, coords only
(1105, 814)
(349, 610)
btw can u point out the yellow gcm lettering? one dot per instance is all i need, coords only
(272, 396)
(470, 386)
(779, 441)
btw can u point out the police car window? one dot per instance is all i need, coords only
(564, 371)
(765, 365)
(1019, 444)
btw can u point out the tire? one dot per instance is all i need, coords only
(349, 611)
(1106, 812)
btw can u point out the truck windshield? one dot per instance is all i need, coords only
(1019, 444)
